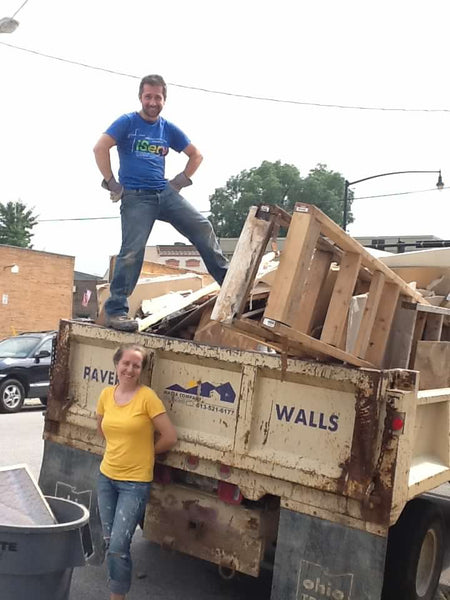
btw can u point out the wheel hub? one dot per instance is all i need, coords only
(426, 565)
(11, 396)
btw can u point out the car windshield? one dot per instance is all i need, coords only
(17, 347)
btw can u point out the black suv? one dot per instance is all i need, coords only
(24, 369)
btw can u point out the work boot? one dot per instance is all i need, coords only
(121, 323)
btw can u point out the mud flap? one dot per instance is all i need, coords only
(71, 473)
(319, 560)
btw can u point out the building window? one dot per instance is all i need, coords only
(378, 243)
(172, 262)
(192, 262)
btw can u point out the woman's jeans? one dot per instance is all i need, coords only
(122, 506)
(139, 209)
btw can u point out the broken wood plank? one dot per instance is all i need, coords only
(340, 299)
(170, 300)
(291, 275)
(417, 335)
(382, 325)
(190, 299)
(369, 314)
(312, 346)
(187, 319)
(400, 339)
(282, 345)
(317, 274)
(433, 327)
(428, 308)
(216, 334)
(243, 268)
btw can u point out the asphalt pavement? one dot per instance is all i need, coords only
(170, 576)
(157, 573)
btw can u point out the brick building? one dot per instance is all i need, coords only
(178, 254)
(36, 290)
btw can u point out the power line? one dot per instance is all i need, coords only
(93, 218)
(402, 193)
(76, 219)
(232, 94)
(72, 62)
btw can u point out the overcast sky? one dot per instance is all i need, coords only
(351, 53)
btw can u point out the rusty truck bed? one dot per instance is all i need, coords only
(349, 444)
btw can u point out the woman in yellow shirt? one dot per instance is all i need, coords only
(128, 415)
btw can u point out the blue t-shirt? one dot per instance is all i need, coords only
(143, 147)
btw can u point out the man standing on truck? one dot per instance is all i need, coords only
(143, 140)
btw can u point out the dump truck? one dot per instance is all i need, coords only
(320, 469)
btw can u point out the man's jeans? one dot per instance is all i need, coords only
(139, 209)
(121, 505)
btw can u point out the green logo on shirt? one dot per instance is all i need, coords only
(146, 146)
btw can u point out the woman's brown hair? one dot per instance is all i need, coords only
(121, 349)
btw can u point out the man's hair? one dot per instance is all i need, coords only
(124, 347)
(153, 80)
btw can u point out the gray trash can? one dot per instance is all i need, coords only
(37, 562)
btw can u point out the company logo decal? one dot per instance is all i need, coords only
(204, 395)
(317, 583)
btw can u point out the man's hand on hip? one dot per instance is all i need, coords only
(180, 181)
(114, 187)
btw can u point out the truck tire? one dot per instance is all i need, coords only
(12, 396)
(415, 552)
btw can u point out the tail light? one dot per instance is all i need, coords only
(229, 493)
(398, 423)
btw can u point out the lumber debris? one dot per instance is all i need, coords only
(310, 309)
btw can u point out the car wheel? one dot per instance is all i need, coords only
(12, 396)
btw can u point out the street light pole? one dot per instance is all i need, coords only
(347, 184)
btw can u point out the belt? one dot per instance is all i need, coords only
(144, 190)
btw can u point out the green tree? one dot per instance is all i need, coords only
(16, 223)
(325, 189)
(275, 183)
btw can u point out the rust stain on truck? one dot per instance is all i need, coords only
(357, 471)
(59, 376)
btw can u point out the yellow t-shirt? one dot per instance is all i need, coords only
(128, 430)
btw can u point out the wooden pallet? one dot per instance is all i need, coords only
(321, 268)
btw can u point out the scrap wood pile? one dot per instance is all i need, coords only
(166, 300)
(330, 298)
(324, 297)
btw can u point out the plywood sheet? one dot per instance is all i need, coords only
(152, 287)
(432, 359)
